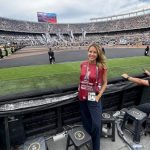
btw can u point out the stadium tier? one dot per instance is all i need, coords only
(131, 30)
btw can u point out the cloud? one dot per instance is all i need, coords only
(68, 11)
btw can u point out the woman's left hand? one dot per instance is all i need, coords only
(97, 98)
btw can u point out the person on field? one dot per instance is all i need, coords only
(51, 56)
(146, 51)
(103, 50)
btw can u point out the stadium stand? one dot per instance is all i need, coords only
(132, 30)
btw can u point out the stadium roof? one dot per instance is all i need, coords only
(142, 11)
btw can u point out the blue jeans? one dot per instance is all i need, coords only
(91, 113)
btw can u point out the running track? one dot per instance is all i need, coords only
(39, 58)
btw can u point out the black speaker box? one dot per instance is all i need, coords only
(16, 131)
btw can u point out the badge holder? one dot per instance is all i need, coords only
(91, 96)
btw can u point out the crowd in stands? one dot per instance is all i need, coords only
(22, 26)
(137, 22)
(22, 38)
(127, 31)
(9, 48)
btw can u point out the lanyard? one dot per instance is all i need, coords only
(87, 73)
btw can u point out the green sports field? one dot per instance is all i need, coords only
(23, 79)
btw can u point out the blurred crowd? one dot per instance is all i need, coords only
(127, 31)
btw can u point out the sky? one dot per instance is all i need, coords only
(68, 11)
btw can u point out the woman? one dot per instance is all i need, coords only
(93, 82)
